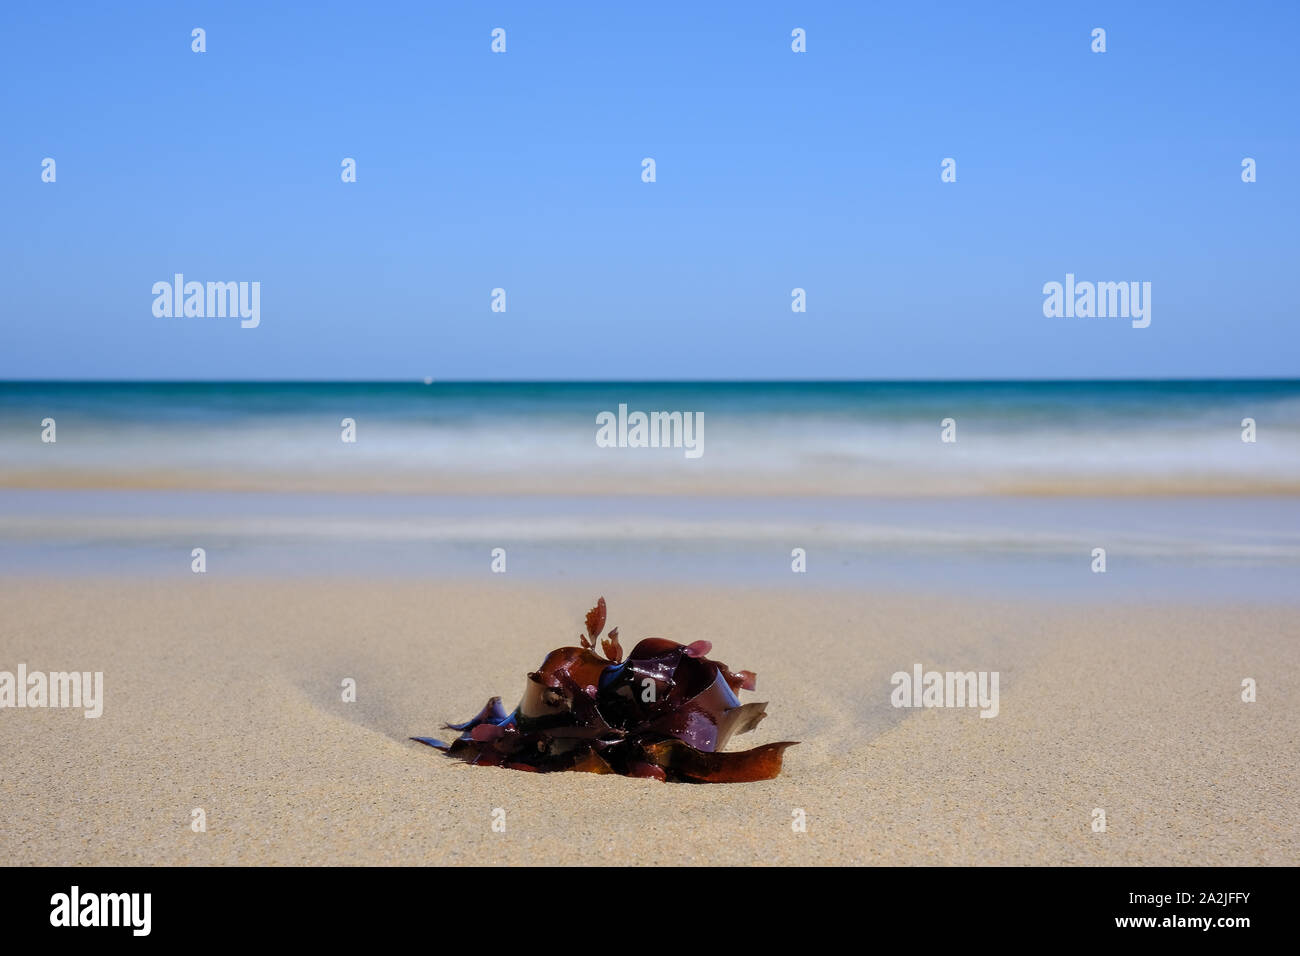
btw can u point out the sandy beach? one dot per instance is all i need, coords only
(937, 370)
(224, 695)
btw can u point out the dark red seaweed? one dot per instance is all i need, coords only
(666, 712)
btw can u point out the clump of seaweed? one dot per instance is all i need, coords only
(665, 712)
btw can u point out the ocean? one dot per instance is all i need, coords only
(990, 486)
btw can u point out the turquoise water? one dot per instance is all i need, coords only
(1011, 401)
(854, 473)
(1100, 437)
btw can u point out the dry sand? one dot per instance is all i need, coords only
(225, 695)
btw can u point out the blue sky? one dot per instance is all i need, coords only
(775, 170)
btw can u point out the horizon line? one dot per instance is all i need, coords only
(645, 381)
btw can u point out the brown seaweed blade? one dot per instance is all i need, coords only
(612, 648)
(745, 766)
(592, 762)
(666, 711)
(492, 712)
(595, 624)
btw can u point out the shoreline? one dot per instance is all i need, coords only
(655, 482)
(1220, 549)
